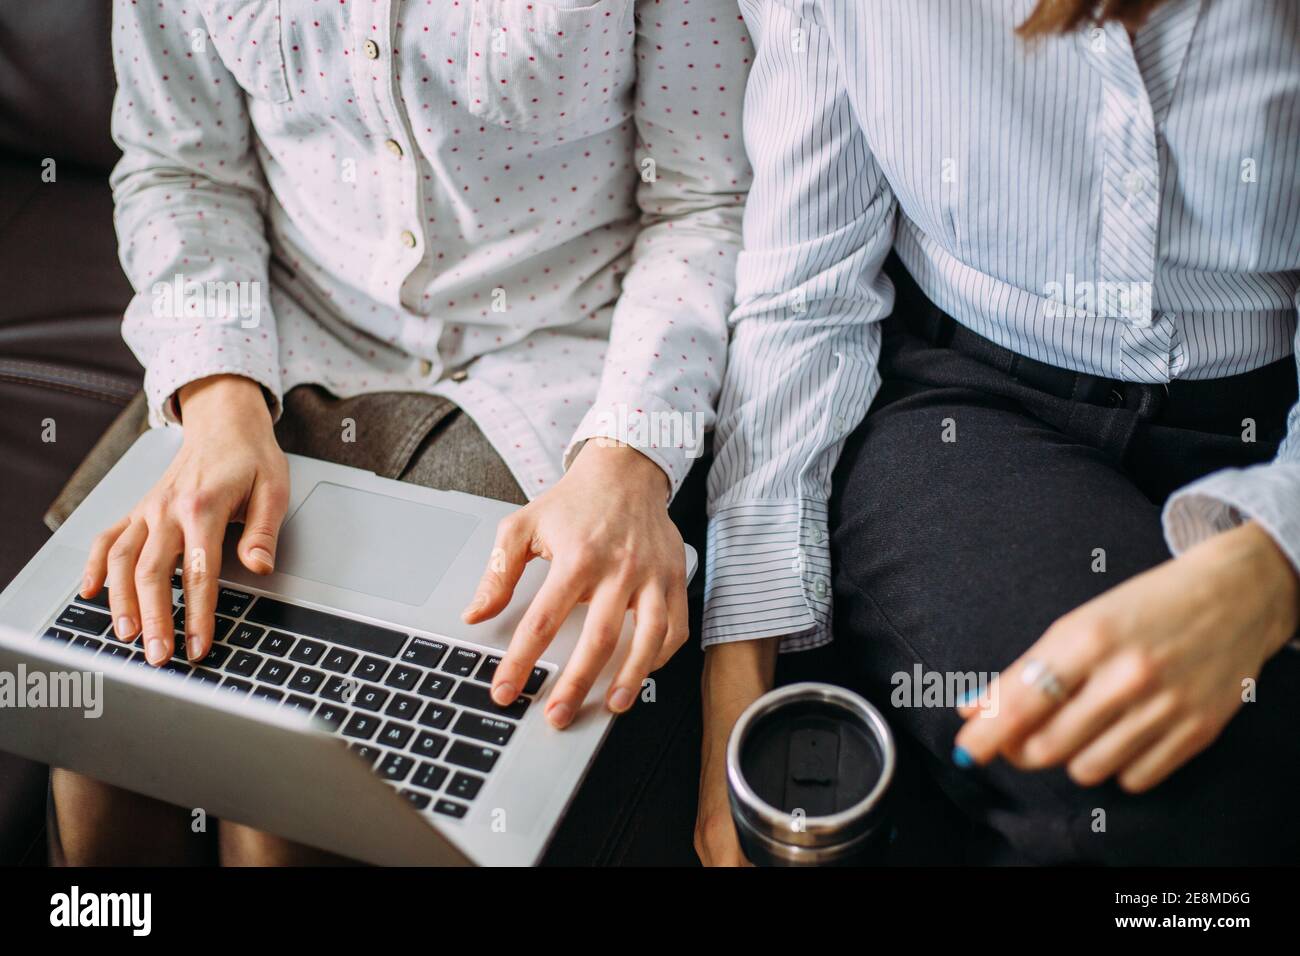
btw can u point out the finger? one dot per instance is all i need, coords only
(96, 571)
(647, 640)
(153, 589)
(1102, 700)
(1183, 742)
(599, 639)
(204, 534)
(554, 600)
(1117, 746)
(263, 515)
(510, 554)
(679, 626)
(1067, 652)
(122, 556)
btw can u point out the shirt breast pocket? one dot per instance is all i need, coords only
(247, 36)
(538, 65)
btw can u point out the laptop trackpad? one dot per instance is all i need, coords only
(372, 543)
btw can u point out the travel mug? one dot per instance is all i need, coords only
(808, 770)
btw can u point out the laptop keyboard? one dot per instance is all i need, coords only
(416, 708)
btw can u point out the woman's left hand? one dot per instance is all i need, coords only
(605, 529)
(1149, 673)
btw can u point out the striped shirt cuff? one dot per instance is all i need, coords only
(1268, 494)
(767, 574)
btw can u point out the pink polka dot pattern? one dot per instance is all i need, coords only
(529, 206)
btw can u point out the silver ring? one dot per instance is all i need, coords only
(1037, 674)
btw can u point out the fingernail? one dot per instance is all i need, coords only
(560, 715)
(475, 606)
(155, 650)
(503, 693)
(261, 554)
(194, 648)
(125, 627)
(620, 700)
(85, 585)
(962, 758)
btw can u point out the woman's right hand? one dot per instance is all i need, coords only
(735, 675)
(229, 468)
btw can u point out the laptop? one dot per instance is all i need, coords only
(344, 704)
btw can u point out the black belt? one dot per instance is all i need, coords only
(1272, 387)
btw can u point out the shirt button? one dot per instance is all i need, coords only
(408, 239)
(426, 367)
(394, 147)
(818, 536)
(371, 48)
(1134, 183)
(819, 587)
(459, 375)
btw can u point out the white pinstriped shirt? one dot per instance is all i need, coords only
(1016, 181)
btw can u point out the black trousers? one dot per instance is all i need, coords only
(958, 555)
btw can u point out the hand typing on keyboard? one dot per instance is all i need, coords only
(605, 529)
(229, 468)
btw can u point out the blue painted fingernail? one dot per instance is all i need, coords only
(962, 758)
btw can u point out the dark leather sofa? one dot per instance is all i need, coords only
(63, 365)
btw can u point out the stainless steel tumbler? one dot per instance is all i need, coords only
(808, 769)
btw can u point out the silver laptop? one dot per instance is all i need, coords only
(344, 705)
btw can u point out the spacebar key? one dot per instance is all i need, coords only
(329, 627)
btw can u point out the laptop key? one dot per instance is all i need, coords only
(436, 686)
(57, 634)
(396, 767)
(331, 714)
(369, 638)
(246, 636)
(429, 776)
(338, 660)
(342, 690)
(274, 672)
(464, 786)
(418, 800)
(403, 677)
(478, 697)
(371, 697)
(216, 656)
(177, 667)
(268, 693)
(307, 652)
(371, 668)
(450, 808)
(461, 661)
(362, 726)
(395, 734)
(205, 676)
(91, 644)
(276, 644)
(403, 706)
(236, 686)
(113, 649)
(366, 752)
(305, 681)
(467, 755)
(429, 745)
(490, 730)
(232, 602)
(298, 702)
(83, 619)
(221, 627)
(244, 663)
(100, 600)
(437, 716)
(424, 652)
